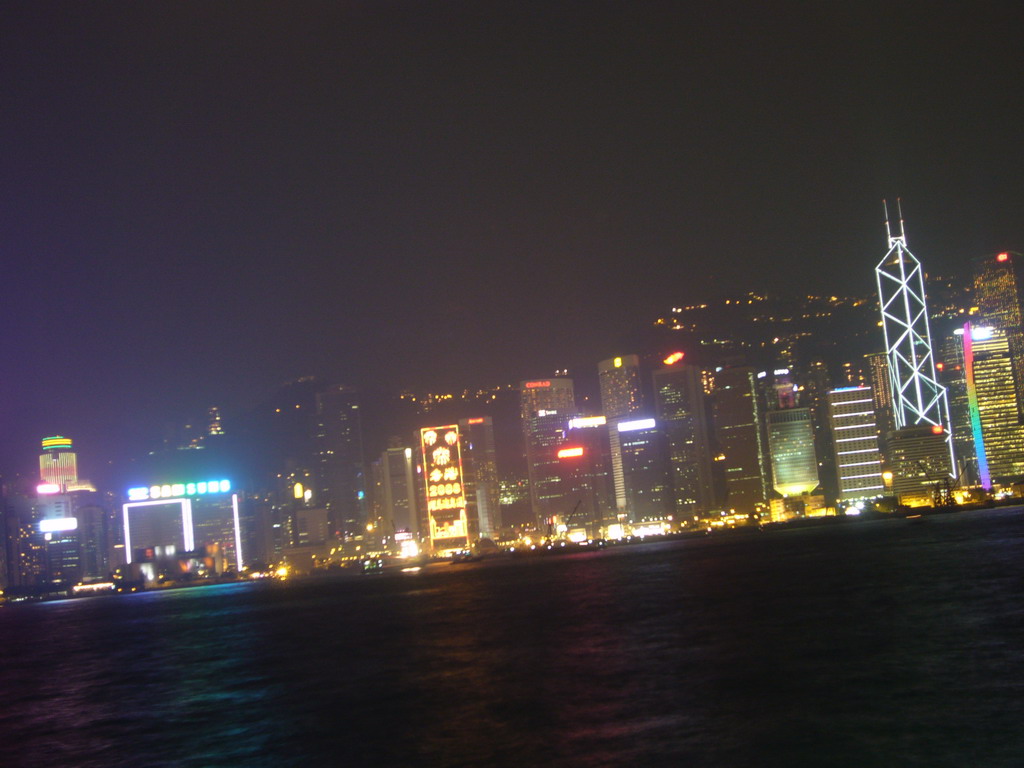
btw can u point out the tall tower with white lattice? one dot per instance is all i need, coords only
(917, 397)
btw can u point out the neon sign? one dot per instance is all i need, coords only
(587, 422)
(570, 453)
(674, 358)
(536, 384)
(179, 490)
(446, 500)
(57, 442)
(55, 524)
(633, 426)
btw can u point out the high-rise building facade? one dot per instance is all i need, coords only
(338, 467)
(621, 397)
(480, 468)
(396, 494)
(998, 299)
(546, 405)
(794, 464)
(448, 523)
(918, 398)
(737, 418)
(992, 402)
(58, 463)
(679, 406)
(645, 470)
(855, 437)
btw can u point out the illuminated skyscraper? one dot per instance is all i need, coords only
(992, 402)
(645, 470)
(855, 437)
(737, 415)
(621, 396)
(794, 464)
(680, 409)
(918, 398)
(448, 525)
(58, 464)
(997, 296)
(546, 405)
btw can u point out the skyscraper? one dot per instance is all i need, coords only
(545, 407)
(621, 396)
(480, 474)
(338, 446)
(997, 296)
(791, 447)
(855, 437)
(645, 470)
(918, 398)
(736, 422)
(58, 463)
(680, 409)
(992, 403)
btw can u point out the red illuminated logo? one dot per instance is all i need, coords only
(1003, 257)
(937, 429)
(675, 357)
(475, 421)
(537, 384)
(569, 453)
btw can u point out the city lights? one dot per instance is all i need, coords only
(178, 490)
(58, 524)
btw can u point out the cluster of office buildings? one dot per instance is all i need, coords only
(935, 415)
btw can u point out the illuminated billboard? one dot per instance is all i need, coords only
(179, 490)
(633, 426)
(55, 524)
(446, 499)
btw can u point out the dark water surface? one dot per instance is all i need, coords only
(867, 644)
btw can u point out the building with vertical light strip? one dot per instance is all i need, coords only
(188, 527)
(997, 296)
(58, 463)
(737, 417)
(621, 396)
(855, 437)
(992, 403)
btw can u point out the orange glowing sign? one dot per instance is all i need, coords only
(675, 357)
(446, 499)
(537, 384)
(937, 429)
(1003, 257)
(475, 421)
(568, 453)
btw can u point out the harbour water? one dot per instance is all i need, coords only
(864, 644)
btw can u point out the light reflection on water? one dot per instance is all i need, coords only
(872, 644)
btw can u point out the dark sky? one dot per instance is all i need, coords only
(203, 200)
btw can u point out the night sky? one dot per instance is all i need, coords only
(204, 200)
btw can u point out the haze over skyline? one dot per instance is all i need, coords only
(203, 201)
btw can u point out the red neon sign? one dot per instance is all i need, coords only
(475, 421)
(536, 384)
(569, 453)
(675, 357)
(1003, 257)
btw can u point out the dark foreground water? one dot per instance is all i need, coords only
(868, 644)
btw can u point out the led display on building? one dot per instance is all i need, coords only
(445, 495)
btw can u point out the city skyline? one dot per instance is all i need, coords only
(203, 204)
